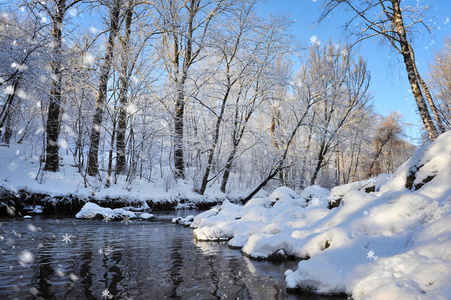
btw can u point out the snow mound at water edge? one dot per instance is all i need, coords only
(393, 243)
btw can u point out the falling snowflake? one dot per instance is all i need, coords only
(66, 238)
(126, 220)
(314, 40)
(107, 251)
(91, 216)
(26, 257)
(107, 218)
(370, 255)
(344, 52)
(391, 180)
(73, 277)
(106, 294)
(372, 181)
(373, 211)
(331, 199)
(315, 202)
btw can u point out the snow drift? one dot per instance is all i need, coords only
(93, 211)
(390, 241)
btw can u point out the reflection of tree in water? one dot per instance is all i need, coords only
(237, 277)
(116, 271)
(177, 264)
(148, 261)
(44, 273)
(85, 270)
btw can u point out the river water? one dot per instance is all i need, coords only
(66, 258)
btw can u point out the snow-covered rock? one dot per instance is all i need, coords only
(283, 193)
(186, 221)
(145, 216)
(316, 196)
(94, 211)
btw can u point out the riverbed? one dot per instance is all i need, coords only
(66, 258)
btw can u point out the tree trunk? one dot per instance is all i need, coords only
(319, 162)
(123, 100)
(7, 107)
(93, 159)
(410, 68)
(438, 119)
(53, 117)
(215, 140)
(110, 156)
(8, 129)
(179, 162)
(228, 166)
(237, 135)
(271, 175)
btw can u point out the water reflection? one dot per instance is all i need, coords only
(139, 260)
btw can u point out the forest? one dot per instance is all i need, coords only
(208, 93)
(204, 149)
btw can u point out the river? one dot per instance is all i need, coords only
(67, 258)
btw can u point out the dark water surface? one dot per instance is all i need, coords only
(66, 258)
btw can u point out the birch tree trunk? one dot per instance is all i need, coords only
(123, 99)
(93, 159)
(410, 68)
(53, 117)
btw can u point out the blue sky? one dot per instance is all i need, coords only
(390, 86)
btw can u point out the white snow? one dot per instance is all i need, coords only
(186, 221)
(20, 170)
(145, 216)
(394, 243)
(93, 211)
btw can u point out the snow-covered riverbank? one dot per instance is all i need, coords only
(383, 238)
(26, 188)
(393, 243)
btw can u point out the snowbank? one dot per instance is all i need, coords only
(22, 179)
(389, 238)
(94, 211)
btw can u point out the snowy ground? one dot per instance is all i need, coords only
(394, 243)
(20, 170)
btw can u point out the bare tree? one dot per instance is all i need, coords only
(125, 74)
(236, 51)
(23, 58)
(56, 10)
(93, 158)
(386, 19)
(388, 131)
(185, 26)
(440, 80)
(342, 83)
